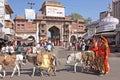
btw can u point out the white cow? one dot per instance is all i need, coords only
(76, 57)
(10, 61)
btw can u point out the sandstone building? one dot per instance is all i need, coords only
(52, 24)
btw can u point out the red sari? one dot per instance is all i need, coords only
(103, 51)
(94, 46)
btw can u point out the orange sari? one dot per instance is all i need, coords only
(103, 51)
(93, 46)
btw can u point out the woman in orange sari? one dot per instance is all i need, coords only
(103, 55)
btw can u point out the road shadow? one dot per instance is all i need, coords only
(37, 72)
(70, 68)
(22, 71)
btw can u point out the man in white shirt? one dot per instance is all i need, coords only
(3, 49)
(34, 49)
(49, 47)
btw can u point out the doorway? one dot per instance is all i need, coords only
(54, 35)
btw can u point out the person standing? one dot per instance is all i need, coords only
(3, 50)
(49, 47)
(12, 51)
(7, 49)
(93, 45)
(103, 55)
(34, 49)
(19, 48)
(83, 45)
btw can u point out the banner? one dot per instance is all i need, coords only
(55, 11)
(29, 14)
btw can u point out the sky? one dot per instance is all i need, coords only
(86, 8)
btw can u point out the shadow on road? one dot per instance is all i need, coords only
(70, 68)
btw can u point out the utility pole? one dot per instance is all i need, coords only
(31, 5)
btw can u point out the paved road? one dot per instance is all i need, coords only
(65, 72)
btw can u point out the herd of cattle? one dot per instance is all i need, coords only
(45, 61)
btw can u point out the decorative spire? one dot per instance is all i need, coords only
(109, 9)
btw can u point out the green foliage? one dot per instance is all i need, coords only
(88, 20)
(75, 16)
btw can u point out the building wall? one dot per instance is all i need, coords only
(43, 23)
(116, 8)
(116, 13)
(25, 26)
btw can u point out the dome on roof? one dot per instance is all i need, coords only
(115, 0)
(109, 20)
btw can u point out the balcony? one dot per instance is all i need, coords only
(8, 31)
(8, 17)
(8, 21)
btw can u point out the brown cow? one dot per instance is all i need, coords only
(88, 58)
(10, 61)
(43, 61)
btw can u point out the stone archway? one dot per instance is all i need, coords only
(31, 38)
(54, 35)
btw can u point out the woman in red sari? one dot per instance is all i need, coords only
(103, 55)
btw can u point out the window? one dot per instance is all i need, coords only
(42, 31)
(18, 24)
(22, 24)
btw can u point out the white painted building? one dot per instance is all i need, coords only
(107, 27)
(6, 22)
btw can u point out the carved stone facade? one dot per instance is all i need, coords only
(58, 25)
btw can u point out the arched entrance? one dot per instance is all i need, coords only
(31, 38)
(54, 35)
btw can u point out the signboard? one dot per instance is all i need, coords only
(1, 3)
(29, 14)
(2, 11)
(55, 11)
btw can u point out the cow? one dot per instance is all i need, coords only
(85, 58)
(10, 61)
(75, 57)
(43, 61)
(88, 59)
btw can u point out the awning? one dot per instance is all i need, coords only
(108, 33)
(89, 37)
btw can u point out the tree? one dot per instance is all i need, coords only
(88, 20)
(75, 16)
